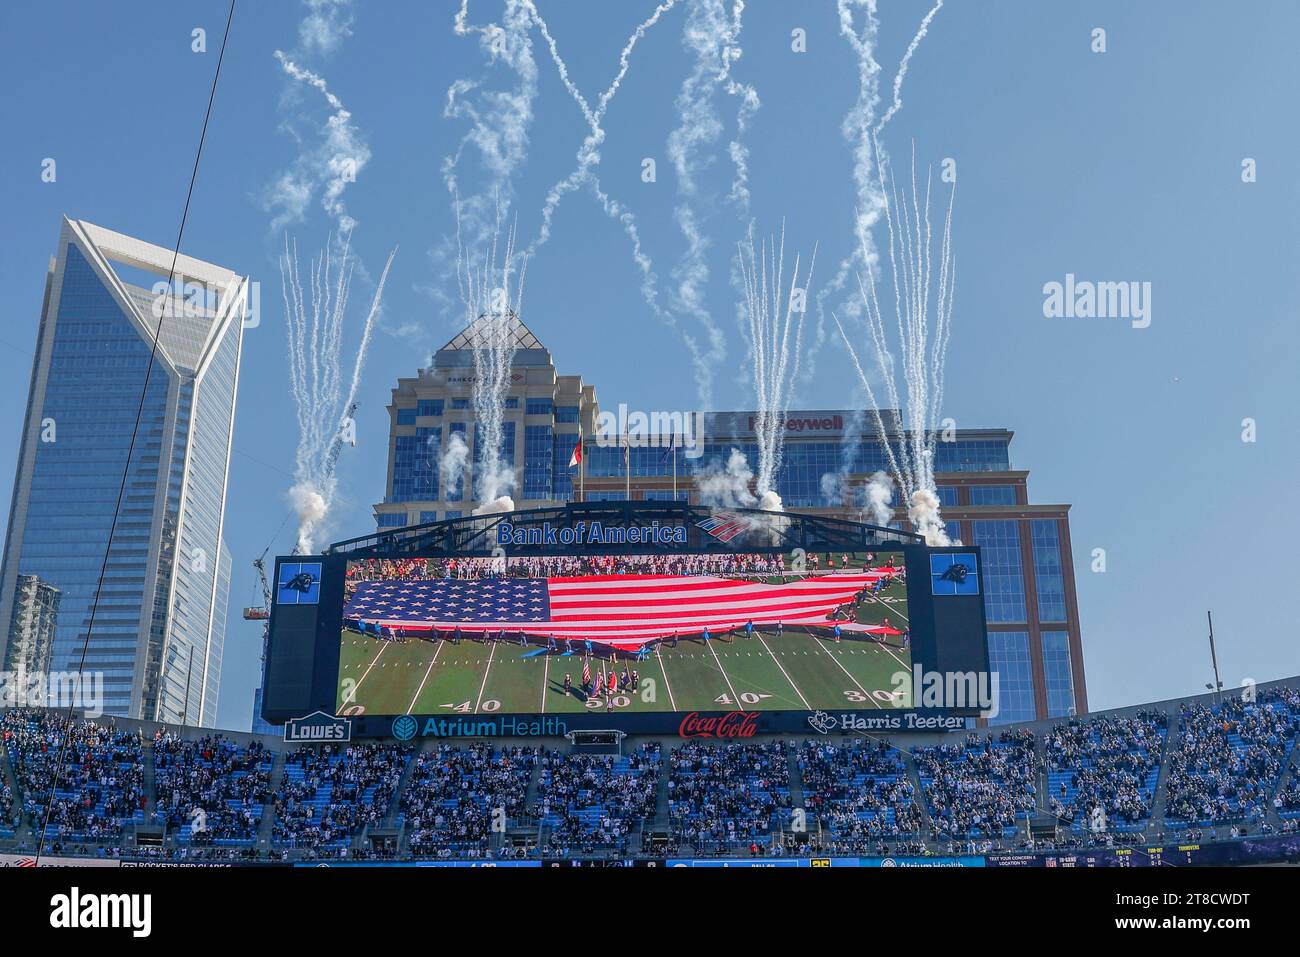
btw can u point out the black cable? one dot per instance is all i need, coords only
(135, 431)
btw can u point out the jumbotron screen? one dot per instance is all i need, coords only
(691, 642)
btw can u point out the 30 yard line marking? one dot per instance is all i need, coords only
(847, 672)
(787, 676)
(411, 708)
(486, 670)
(663, 669)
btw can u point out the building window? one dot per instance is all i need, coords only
(406, 417)
(993, 495)
(566, 414)
(539, 459)
(459, 405)
(563, 477)
(1048, 573)
(426, 517)
(1004, 578)
(512, 402)
(392, 519)
(666, 495)
(947, 495)
(539, 405)
(430, 407)
(606, 496)
(1057, 677)
(1009, 657)
(415, 466)
(452, 513)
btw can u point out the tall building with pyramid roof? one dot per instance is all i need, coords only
(159, 625)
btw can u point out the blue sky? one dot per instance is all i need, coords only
(1117, 166)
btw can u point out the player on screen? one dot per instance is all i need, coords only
(568, 686)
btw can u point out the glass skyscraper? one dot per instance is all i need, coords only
(1033, 619)
(159, 626)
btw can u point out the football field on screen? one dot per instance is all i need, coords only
(795, 670)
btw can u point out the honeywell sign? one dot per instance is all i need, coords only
(796, 423)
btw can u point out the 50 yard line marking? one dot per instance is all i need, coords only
(663, 669)
(492, 651)
(546, 681)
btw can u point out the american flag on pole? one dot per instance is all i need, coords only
(621, 611)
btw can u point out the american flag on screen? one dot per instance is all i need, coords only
(625, 611)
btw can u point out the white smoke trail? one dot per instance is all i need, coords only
(727, 486)
(903, 64)
(879, 496)
(330, 167)
(589, 156)
(451, 465)
(922, 315)
(499, 119)
(493, 299)
(711, 37)
(315, 341)
(862, 132)
(774, 326)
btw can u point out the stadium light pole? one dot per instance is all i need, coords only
(1214, 660)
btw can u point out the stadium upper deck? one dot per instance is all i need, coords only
(1133, 785)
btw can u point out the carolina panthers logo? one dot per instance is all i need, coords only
(955, 573)
(823, 722)
(300, 582)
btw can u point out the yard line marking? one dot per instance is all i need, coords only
(847, 672)
(735, 697)
(663, 669)
(411, 708)
(546, 680)
(890, 607)
(383, 647)
(486, 672)
(787, 677)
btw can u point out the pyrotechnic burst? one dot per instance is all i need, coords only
(923, 302)
(315, 327)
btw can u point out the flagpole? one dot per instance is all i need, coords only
(582, 467)
(673, 449)
(627, 465)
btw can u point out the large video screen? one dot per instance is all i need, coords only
(698, 642)
(621, 635)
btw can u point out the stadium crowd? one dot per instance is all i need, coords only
(454, 793)
(102, 779)
(737, 794)
(591, 801)
(860, 793)
(328, 795)
(1230, 756)
(983, 789)
(1106, 769)
(215, 786)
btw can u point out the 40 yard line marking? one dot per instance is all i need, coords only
(432, 660)
(787, 677)
(486, 670)
(734, 697)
